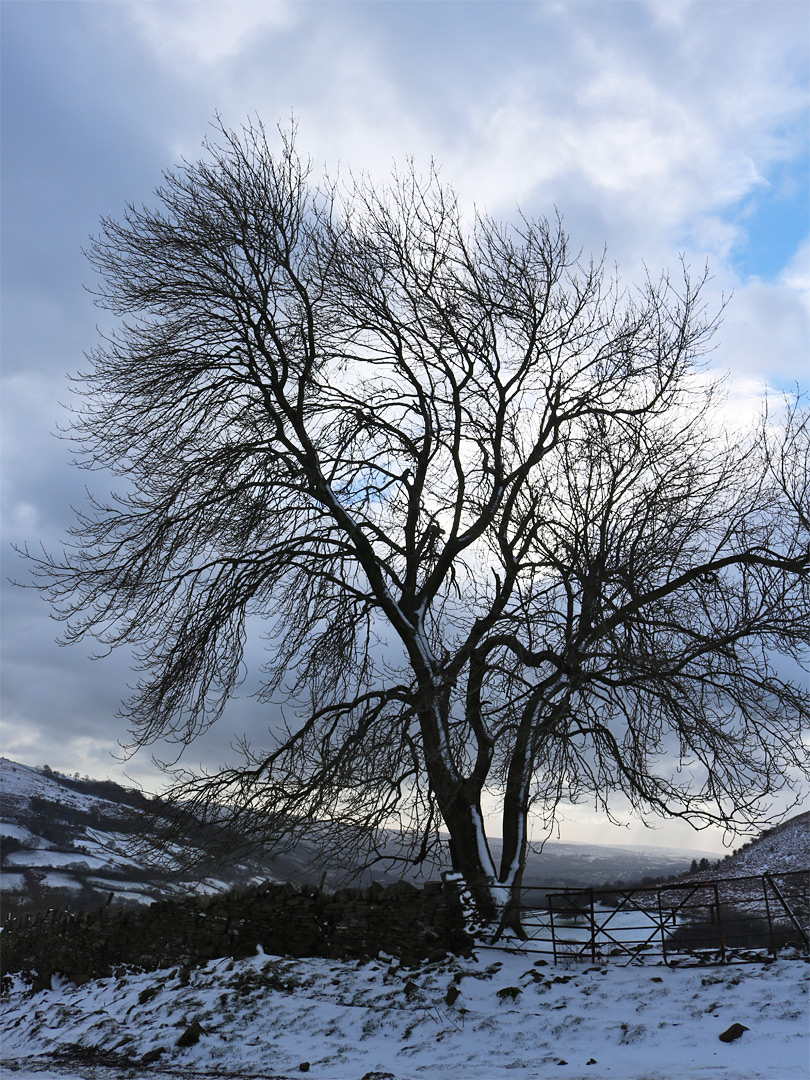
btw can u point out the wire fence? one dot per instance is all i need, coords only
(722, 920)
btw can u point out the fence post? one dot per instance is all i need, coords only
(719, 921)
(787, 907)
(593, 926)
(771, 934)
(661, 926)
(551, 926)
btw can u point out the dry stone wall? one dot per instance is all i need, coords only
(284, 919)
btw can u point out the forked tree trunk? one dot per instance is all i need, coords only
(496, 894)
(496, 897)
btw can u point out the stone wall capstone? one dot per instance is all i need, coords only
(285, 919)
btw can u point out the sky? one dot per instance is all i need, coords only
(659, 130)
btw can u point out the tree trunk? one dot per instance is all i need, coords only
(459, 800)
(471, 858)
(497, 901)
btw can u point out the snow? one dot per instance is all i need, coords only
(12, 831)
(484, 857)
(60, 881)
(105, 854)
(101, 858)
(62, 859)
(11, 882)
(20, 783)
(265, 1016)
(512, 1018)
(785, 847)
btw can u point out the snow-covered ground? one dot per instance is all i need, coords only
(22, 783)
(497, 1015)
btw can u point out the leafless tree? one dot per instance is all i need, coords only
(478, 494)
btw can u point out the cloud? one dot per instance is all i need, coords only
(650, 126)
(668, 148)
(764, 335)
(189, 34)
(796, 275)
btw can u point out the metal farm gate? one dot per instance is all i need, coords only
(722, 920)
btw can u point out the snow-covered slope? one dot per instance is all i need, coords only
(69, 842)
(782, 849)
(785, 847)
(57, 837)
(496, 1016)
(19, 784)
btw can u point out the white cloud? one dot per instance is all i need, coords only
(621, 141)
(796, 275)
(189, 33)
(655, 120)
(764, 335)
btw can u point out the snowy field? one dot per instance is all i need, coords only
(497, 1015)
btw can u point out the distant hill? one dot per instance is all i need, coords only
(781, 849)
(66, 841)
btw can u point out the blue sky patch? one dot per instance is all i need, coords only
(773, 224)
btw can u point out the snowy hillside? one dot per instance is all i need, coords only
(785, 847)
(58, 838)
(67, 841)
(496, 1016)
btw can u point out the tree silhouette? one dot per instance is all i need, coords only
(478, 494)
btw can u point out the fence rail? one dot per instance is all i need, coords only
(721, 920)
